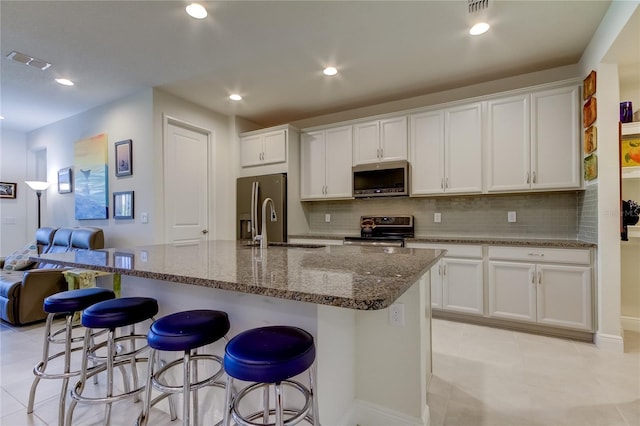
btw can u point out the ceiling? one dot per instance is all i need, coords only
(272, 53)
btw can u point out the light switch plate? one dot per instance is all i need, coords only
(511, 217)
(437, 217)
(327, 217)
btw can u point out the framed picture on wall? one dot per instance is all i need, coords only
(64, 181)
(124, 158)
(123, 205)
(8, 189)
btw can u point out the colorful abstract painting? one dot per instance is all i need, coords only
(91, 178)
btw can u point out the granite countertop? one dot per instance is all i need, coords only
(510, 241)
(354, 277)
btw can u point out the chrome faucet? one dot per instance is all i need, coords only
(272, 214)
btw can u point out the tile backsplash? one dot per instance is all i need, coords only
(539, 215)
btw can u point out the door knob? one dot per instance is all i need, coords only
(204, 231)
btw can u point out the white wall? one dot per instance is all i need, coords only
(128, 118)
(609, 333)
(13, 168)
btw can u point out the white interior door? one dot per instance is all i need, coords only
(186, 183)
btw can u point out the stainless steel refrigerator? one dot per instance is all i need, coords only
(251, 193)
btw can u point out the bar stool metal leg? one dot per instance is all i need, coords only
(67, 303)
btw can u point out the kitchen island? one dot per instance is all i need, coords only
(372, 369)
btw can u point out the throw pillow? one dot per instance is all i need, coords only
(19, 259)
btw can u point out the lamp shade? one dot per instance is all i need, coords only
(37, 185)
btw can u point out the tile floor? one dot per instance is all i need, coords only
(482, 376)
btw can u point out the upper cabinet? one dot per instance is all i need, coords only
(263, 147)
(380, 140)
(325, 164)
(446, 150)
(533, 141)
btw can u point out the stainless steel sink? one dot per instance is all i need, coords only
(278, 244)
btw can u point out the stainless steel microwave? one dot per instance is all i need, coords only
(381, 179)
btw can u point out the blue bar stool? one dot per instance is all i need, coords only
(112, 315)
(186, 332)
(67, 303)
(270, 356)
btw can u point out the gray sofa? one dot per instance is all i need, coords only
(22, 292)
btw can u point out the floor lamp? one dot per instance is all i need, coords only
(37, 186)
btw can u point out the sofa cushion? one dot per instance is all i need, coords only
(19, 259)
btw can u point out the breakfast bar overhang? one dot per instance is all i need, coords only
(372, 369)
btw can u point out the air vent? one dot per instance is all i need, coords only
(477, 5)
(28, 60)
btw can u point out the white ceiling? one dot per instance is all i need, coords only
(273, 52)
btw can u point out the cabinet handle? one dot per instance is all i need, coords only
(326, 190)
(536, 254)
(440, 270)
(539, 277)
(442, 183)
(528, 177)
(446, 183)
(444, 270)
(533, 278)
(534, 178)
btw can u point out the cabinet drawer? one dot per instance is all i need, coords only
(540, 255)
(453, 250)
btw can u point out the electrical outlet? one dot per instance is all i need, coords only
(327, 217)
(144, 255)
(396, 315)
(437, 217)
(511, 217)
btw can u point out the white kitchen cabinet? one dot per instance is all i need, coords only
(325, 164)
(508, 145)
(533, 141)
(556, 155)
(446, 150)
(380, 140)
(457, 283)
(539, 285)
(263, 147)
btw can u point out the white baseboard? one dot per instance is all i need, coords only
(630, 323)
(367, 414)
(609, 342)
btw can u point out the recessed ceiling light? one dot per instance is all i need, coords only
(479, 28)
(330, 71)
(196, 10)
(235, 97)
(64, 81)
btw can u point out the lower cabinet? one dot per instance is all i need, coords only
(541, 292)
(457, 279)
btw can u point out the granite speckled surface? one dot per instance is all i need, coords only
(557, 243)
(354, 277)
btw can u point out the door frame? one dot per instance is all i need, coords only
(208, 133)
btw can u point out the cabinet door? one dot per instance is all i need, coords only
(393, 139)
(512, 290)
(436, 285)
(251, 150)
(312, 165)
(555, 139)
(463, 149)
(366, 143)
(507, 150)
(338, 149)
(564, 296)
(426, 142)
(462, 289)
(274, 147)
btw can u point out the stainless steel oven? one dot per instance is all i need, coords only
(385, 231)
